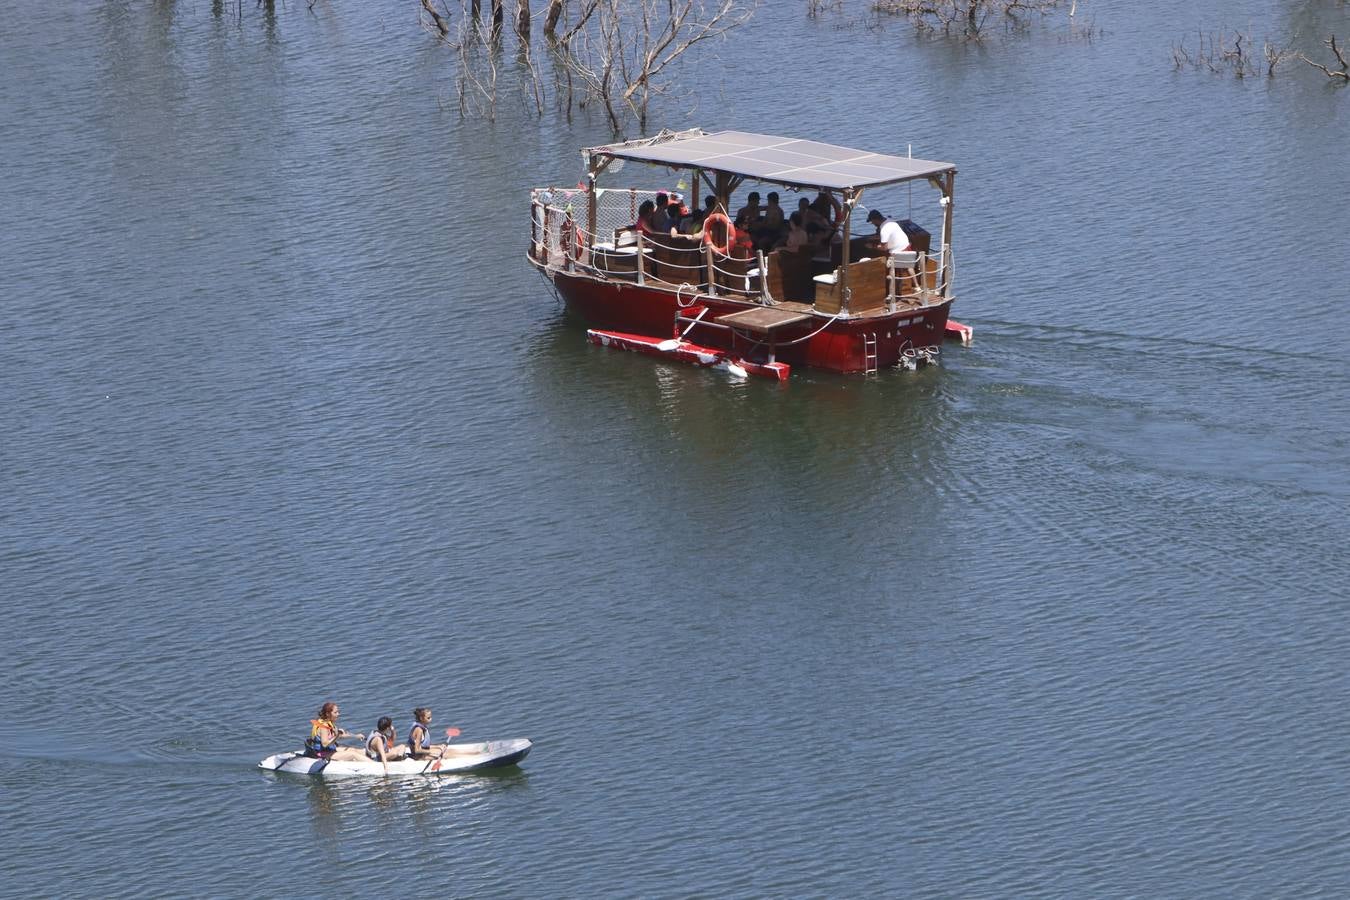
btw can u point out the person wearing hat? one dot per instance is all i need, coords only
(677, 210)
(889, 233)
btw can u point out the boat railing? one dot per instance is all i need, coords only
(918, 277)
(560, 240)
(615, 210)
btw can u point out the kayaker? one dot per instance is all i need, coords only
(419, 736)
(324, 734)
(381, 745)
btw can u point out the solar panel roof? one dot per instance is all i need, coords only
(787, 161)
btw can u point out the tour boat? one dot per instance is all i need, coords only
(839, 304)
(457, 759)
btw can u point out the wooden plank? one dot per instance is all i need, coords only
(763, 319)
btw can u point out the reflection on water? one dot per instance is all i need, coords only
(420, 805)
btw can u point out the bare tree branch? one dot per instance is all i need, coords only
(437, 19)
(1343, 73)
(971, 15)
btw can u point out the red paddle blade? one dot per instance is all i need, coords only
(452, 732)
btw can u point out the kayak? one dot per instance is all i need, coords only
(457, 758)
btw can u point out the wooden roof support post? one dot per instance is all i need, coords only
(708, 184)
(949, 195)
(591, 211)
(723, 191)
(850, 198)
(763, 282)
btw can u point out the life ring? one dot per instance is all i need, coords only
(707, 232)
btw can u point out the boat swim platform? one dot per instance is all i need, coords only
(763, 319)
(767, 319)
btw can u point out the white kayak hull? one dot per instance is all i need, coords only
(457, 758)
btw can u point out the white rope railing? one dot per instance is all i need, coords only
(560, 240)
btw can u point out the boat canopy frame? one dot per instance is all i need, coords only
(736, 156)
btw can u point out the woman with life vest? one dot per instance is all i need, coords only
(324, 735)
(419, 736)
(382, 745)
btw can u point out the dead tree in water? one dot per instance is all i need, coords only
(617, 54)
(1343, 73)
(523, 21)
(623, 51)
(442, 25)
(966, 16)
(555, 11)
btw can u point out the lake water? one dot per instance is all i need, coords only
(285, 416)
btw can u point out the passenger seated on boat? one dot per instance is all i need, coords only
(751, 210)
(381, 746)
(324, 735)
(661, 223)
(796, 237)
(678, 211)
(694, 224)
(773, 227)
(644, 224)
(810, 216)
(741, 245)
(419, 735)
(828, 209)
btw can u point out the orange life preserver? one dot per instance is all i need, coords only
(707, 232)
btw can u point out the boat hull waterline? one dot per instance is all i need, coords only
(458, 759)
(843, 346)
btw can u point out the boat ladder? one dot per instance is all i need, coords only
(870, 353)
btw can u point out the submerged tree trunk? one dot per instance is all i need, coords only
(436, 18)
(555, 11)
(523, 21)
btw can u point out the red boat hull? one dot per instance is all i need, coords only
(841, 345)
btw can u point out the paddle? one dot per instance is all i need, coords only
(671, 343)
(449, 733)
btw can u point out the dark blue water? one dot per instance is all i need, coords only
(285, 416)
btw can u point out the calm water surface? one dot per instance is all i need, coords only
(286, 417)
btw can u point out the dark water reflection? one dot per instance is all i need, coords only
(287, 417)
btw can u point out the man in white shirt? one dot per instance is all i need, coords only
(889, 233)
